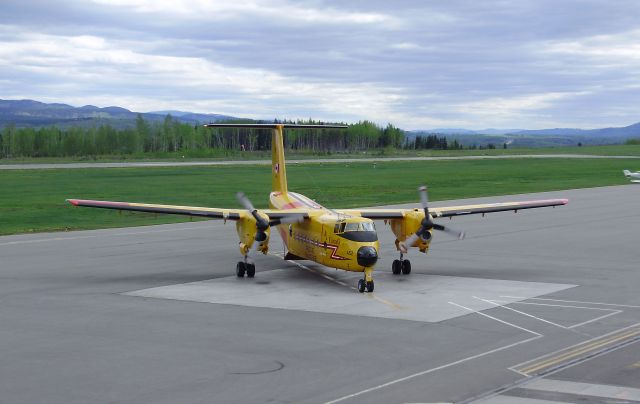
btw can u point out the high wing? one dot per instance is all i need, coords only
(449, 211)
(214, 213)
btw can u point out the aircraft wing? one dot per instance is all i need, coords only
(449, 211)
(214, 213)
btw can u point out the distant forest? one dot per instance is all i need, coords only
(171, 136)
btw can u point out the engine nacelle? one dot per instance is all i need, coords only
(246, 228)
(407, 226)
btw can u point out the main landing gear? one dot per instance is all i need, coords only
(401, 265)
(244, 267)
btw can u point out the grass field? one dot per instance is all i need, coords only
(215, 155)
(33, 200)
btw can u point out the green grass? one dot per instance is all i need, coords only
(33, 200)
(221, 155)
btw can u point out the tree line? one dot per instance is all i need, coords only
(174, 136)
(433, 142)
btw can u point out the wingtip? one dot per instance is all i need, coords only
(74, 202)
(564, 201)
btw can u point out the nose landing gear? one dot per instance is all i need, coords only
(365, 285)
(367, 282)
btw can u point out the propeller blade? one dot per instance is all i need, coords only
(424, 199)
(456, 233)
(287, 220)
(404, 246)
(244, 201)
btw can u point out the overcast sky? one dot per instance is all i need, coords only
(417, 64)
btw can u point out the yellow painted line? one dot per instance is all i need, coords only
(595, 345)
(369, 295)
(532, 368)
(388, 303)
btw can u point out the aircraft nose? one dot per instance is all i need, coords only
(367, 256)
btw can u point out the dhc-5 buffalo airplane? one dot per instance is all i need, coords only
(634, 177)
(338, 238)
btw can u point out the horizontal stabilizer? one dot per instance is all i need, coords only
(273, 126)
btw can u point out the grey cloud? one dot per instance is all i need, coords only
(439, 55)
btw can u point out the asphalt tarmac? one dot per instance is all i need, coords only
(131, 164)
(538, 306)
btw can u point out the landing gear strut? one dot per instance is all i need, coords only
(243, 267)
(401, 266)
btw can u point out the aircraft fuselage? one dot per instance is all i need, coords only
(327, 237)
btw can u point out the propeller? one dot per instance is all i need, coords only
(427, 224)
(263, 224)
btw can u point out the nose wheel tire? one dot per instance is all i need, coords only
(370, 286)
(364, 285)
(241, 268)
(406, 267)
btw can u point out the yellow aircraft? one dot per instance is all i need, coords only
(338, 238)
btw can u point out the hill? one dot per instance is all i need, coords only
(535, 137)
(30, 113)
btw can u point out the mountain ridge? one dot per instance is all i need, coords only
(31, 113)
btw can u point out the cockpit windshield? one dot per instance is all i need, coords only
(357, 226)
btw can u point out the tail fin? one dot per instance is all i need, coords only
(627, 173)
(279, 177)
(279, 171)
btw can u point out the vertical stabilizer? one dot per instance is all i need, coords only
(278, 169)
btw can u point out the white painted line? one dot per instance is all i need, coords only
(496, 319)
(613, 311)
(518, 400)
(553, 305)
(575, 301)
(424, 372)
(596, 319)
(522, 312)
(571, 346)
(584, 389)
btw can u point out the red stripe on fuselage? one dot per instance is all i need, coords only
(292, 205)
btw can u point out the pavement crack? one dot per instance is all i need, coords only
(279, 366)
